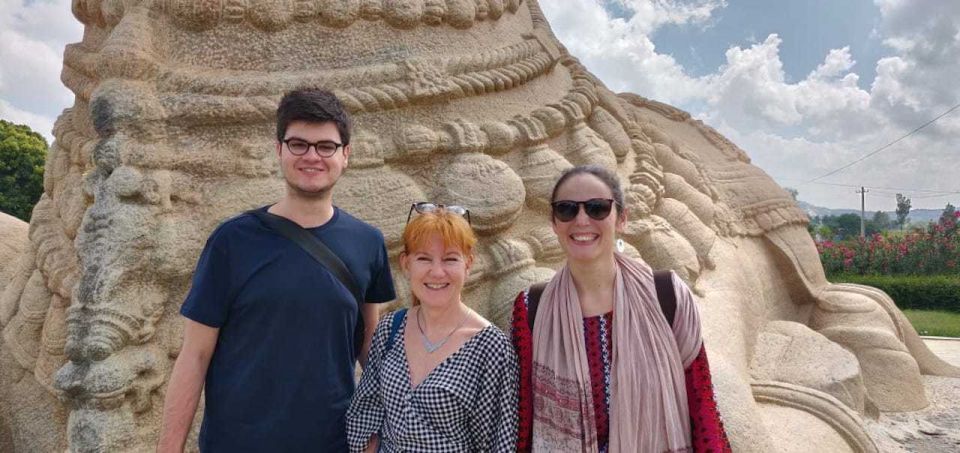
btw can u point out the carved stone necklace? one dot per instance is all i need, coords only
(432, 346)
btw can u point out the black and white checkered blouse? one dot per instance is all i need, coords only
(468, 403)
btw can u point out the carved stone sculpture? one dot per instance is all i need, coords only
(466, 101)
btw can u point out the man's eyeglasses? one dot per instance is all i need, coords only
(596, 208)
(325, 148)
(425, 207)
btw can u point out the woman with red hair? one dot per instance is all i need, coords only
(439, 377)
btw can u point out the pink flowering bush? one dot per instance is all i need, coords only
(931, 251)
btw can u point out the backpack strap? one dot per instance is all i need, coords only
(533, 302)
(394, 327)
(663, 281)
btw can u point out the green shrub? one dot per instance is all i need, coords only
(922, 292)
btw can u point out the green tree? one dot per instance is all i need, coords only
(824, 232)
(903, 210)
(793, 192)
(879, 223)
(22, 153)
(948, 215)
(843, 226)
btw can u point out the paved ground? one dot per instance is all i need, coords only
(934, 429)
(947, 348)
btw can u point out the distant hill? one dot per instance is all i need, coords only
(916, 215)
(922, 215)
(814, 211)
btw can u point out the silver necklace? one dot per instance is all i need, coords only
(431, 346)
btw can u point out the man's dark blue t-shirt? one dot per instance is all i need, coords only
(282, 374)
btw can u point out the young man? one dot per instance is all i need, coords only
(268, 329)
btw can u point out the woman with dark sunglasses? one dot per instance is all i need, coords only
(602, 368)
(439, 377)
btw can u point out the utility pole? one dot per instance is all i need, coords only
(863, 230)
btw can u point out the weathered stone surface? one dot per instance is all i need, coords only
(472, 102)
(792, 352)
(13, 244)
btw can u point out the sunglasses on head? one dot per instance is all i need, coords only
(425, 207)
(596, 208)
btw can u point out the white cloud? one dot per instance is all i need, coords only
(749, 91)
(47, 21)
(40, 124)
(920, 80)
(799, 130)
(888, 90)
(652, 14)
(619, 50)
(32, 38)
(31, 71)
(838, 62)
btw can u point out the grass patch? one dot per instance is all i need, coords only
(934, 322)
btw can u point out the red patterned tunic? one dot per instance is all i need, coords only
(706, 426)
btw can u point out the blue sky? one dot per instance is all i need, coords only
(804, 86)
(809, 29)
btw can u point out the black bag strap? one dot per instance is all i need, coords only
(323, 255)
(661, 279)
(533, 302)
(394, 327)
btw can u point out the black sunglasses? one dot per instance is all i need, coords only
(425, 207)
(596, 208)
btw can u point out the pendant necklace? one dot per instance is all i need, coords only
(431, 346)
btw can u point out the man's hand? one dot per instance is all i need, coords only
(186, 382)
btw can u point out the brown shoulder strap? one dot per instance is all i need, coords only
(665, 294)
(533, 302)
(661, 279)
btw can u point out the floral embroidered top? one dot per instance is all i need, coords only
(708, 434)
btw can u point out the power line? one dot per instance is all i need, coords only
(886, 196)
(930, 196)
(908, 194)
(884, 146)
(898, 189)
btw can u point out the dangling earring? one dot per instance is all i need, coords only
(620, 246)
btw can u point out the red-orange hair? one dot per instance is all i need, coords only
(452, 228)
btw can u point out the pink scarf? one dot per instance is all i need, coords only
(648, 410)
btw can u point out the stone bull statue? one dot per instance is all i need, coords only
(466, 101)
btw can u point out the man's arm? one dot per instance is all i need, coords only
(371, 316)
(186, 382)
